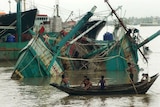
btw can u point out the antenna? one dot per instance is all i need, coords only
(24, 4)
(9, 6)
(57, 7)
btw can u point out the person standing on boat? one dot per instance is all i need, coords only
(102, 83)
(131, 69)
(64, 81)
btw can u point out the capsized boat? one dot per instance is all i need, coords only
(14, 34)
(49, 54)
(118, 89)
(37, 60)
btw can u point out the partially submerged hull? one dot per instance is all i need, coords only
(85, 53)
(107, 56)
(34, 61)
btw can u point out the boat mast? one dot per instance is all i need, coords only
(24, 4)
(113, 11)
(19, 29)
(57, 7)
(9, 6)
(125, 28)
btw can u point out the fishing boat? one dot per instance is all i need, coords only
(118, 89)
(14, 34)
(48, 65)
(50, 54)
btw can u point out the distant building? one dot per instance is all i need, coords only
(42, 20)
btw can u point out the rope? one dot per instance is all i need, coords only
(91, 60)
(39, 68)
(132, 83)
(95, 59)
(106, 52)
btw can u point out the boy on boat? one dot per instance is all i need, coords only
(102, 83)
(64, 81)
(86, 82)
(131, 69)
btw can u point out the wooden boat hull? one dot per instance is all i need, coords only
(35, 59)
(119, 89)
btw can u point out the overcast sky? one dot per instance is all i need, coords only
(137, 8)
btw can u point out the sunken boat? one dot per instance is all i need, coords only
(50, 54)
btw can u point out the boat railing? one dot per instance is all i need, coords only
(7, 27)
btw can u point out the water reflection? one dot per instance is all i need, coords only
(36, 92)
(35, 81)
(105, 101)
(75, 78)
(7, 63)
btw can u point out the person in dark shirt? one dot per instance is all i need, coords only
(102, 83)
